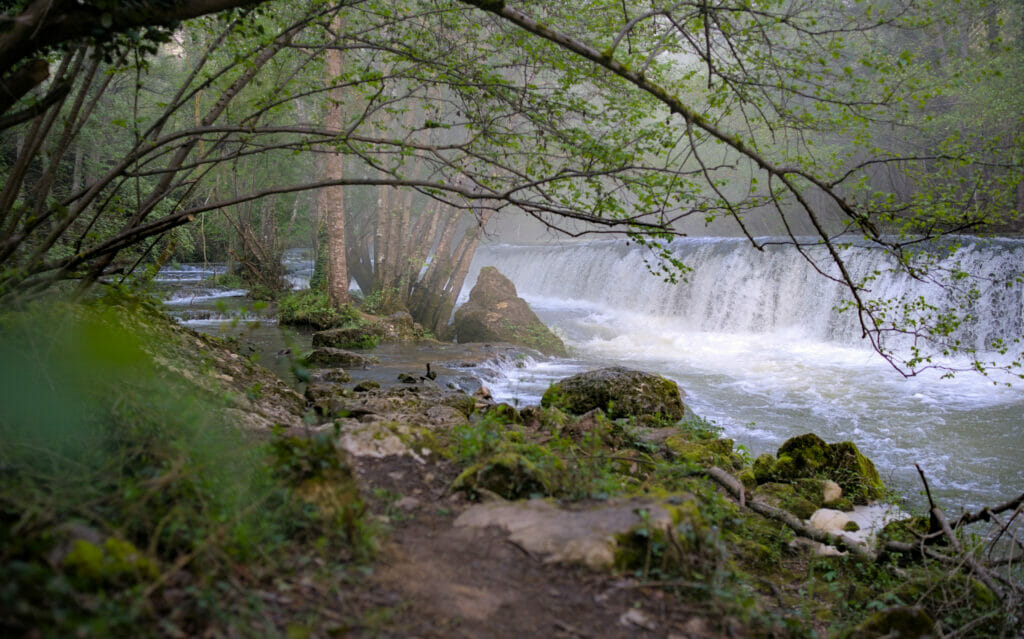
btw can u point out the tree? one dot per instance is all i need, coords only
(625, 117)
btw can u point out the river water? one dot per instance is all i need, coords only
(754, 340)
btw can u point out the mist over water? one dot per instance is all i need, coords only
(754, 340)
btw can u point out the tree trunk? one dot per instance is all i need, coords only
(331, 200)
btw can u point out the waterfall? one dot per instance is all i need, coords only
(734, 288)
(754, 340)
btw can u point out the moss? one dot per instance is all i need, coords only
(907, 530)
(809, 456)
(619, 392)
(507, 474)
(787, 497)
(747, 478)
(717, 452)
(851, 526)
(764, 467)
(115, 560)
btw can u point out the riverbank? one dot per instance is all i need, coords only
(398, 510)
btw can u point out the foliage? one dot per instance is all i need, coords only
(125, 498)
(311, 307)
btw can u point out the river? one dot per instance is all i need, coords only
(754, 340)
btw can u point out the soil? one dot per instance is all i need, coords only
(445, 581)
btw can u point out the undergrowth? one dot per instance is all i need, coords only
(129, 508)
(312, 307)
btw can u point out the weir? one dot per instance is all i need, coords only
(755, 340)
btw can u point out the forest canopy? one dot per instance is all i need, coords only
(395, 131)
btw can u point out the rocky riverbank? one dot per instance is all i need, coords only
(420, 509)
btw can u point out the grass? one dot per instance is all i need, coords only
(128, 507)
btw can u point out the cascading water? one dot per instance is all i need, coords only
(754, 339)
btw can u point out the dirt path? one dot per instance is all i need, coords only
(435, 579)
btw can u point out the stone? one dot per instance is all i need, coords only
(830, 492)
(508, 475)
(619, 391)
(330, 357)
(330, 375)
(808, 456)
(828, 520)
(495, 313)
(366, 385)
(588, 537)
(366, 336)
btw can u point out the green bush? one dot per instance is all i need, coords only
(313, 308)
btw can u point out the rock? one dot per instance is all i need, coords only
(828, 520)
(634, 617)
(831, 492)
(331, 375)
(705, 452)
(619, 391)
(407, 378)
(590, 537)
(335, 357)
(494, 313)
(366, 385)
(509, 475)
(808, 456)
(905, 622)
(366, 336)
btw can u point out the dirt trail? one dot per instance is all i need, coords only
(440, 580)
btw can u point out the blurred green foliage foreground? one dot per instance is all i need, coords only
(129, 506)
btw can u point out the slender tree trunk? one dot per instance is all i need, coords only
(331, 200)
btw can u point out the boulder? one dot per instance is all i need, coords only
(330, 357)
(494, 313)
(619, 391)
(809, 456)
(366, 336)
(906, 622)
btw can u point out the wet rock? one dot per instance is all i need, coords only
(619, 391)
(495, 313)
(366, 336)
(330, 375)
(407, 378)
(331, 357)
(366, 385)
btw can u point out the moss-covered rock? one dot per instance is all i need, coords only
(619, 391)
(507, 474)
(786, 497)
(709, 452)
(328, 356)
(364, 337)
(808, 456)
(494, 313)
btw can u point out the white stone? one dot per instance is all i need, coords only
(829, 520)
(831, 492)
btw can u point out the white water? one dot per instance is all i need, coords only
(755, 342)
